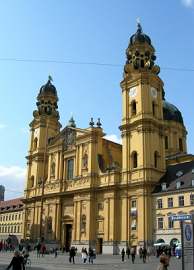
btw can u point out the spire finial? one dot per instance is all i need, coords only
(71, 113)
(138, 24)
(49, 77)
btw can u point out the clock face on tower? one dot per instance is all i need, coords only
(154, 92)
(133, 92)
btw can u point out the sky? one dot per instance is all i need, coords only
(82, 44)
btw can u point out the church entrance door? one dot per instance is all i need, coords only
(68, 237)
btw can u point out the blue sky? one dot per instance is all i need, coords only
(83, 43)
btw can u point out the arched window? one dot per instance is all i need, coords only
(160, 240)
(134, 112)
(70, 169)
(166, 142)
(134, 160)
(153, 108)
(156, 159)
(35, 143)
(180, 144)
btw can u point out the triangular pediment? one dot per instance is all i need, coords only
(170, 214)
(182, 213)
(160, 214)
(134, 236)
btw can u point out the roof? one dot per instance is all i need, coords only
(182, 172)
(11, 205)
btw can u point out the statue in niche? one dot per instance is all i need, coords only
(50, 224)
(53, 169)
(83, 223)
(85, 160)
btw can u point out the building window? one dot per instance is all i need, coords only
(156, 159)
(18, 229)
(0, 229)
(28, 227)
(12, 217)
(9, 217)
(170, 202)
(11, 229)
(191, 199)
(5, 229)
(178, 184)
(134, 108)
(180, 144)
(133, 204)
(163, 185)
(160, 204)
(166, 142)
(8, 229)
(160, 223)
(153, 108)
(19, 216)
(135, 160)
(3, 218)
(192, 182)
(15, 229)
(29, 213)
(170, 223)
(16, 217)
(181, 201)
(70, 169)
(6, 218)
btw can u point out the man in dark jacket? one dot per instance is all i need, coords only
(144, 253)
(72, 254)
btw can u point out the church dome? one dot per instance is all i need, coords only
(48, 87)
(2, 187)
(170, 112)
(139, 36)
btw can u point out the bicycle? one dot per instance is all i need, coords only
(27, 263)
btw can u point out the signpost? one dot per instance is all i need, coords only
(187, 240)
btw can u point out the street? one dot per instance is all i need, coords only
(101, 262)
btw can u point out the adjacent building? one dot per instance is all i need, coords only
(84, 190)
(11, 219)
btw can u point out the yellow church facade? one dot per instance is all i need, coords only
(84, 190)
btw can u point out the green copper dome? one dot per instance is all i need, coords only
(2, 187)
(71, 122)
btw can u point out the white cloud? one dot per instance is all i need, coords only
(13, 179)
(113, 138)
(187, 3)
(25, 130)
(2, 126)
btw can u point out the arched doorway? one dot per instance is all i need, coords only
(68, 237)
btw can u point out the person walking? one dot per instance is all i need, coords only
(38, 250)
(123, 254)
(56, 251)
(140, 252)
(164, 262)
(149, 254)
(91, 255)
(71, 255)
(84, 255)
(43, 250)
(128, 252)
(16, 262)
(144, 254)
(132, 252)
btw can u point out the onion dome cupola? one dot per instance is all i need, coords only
(71, 122)
(2, 187)
(140, 53)
(47, 100)
(170, 112)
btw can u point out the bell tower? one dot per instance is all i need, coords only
(143, 154)
(44, 127)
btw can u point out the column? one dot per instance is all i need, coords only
(58, 222)
(46, 221)
(54, 218)
(61, 166)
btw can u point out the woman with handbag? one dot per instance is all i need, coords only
(84, 255)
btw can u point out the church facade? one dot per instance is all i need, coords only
(84, 190)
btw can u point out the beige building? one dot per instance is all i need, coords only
(84, 190)
(11, 219)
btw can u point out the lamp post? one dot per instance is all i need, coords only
(43, 181)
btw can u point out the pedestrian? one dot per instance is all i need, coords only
(149, 254)
(71, 254)
(38, 250)
(123, 254)
(55, 251)
(144, 253)
(84, 255)
(43, 250)
(128, 252)
(63, 249)
(91, 255)
(164, 262)
(169, 252)
(140, 252)
(94, 252)
(16, 262)
(132, 252)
